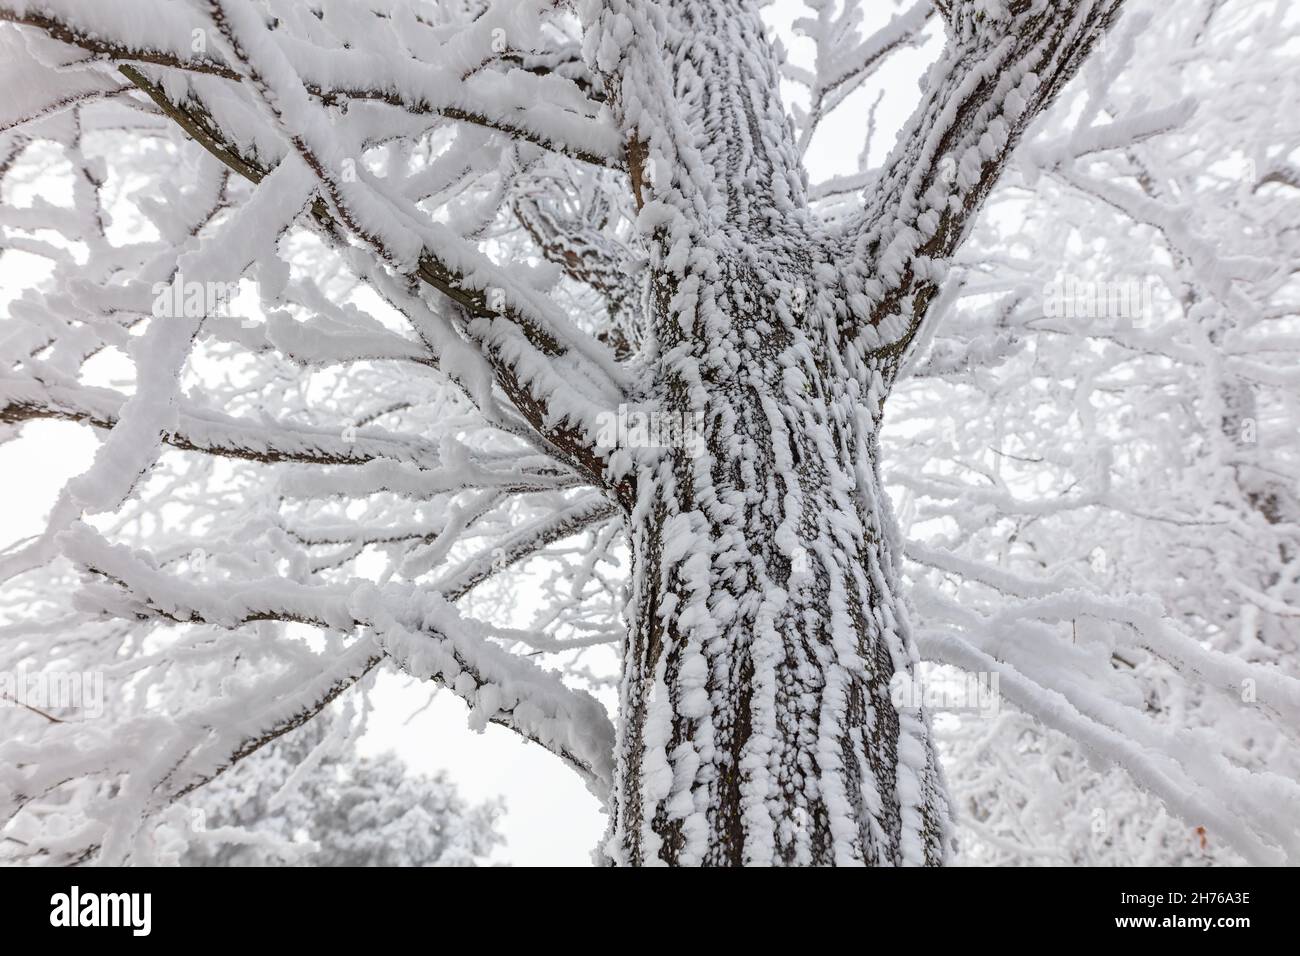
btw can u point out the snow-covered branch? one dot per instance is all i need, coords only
(1005, 62)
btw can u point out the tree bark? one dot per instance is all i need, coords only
(766, 621)
(766, 625)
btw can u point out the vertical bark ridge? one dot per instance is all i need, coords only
(766, 622)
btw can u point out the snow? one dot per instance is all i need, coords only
(467, 234)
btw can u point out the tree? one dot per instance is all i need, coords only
(307, 800)
(532, 280)
(1071, 463)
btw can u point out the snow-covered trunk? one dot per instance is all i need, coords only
(766, 623)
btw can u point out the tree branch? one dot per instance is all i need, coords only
(208, 431)
(408, 633)
(995, 77)
(116, 51)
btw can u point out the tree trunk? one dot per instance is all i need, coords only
(766, 623)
